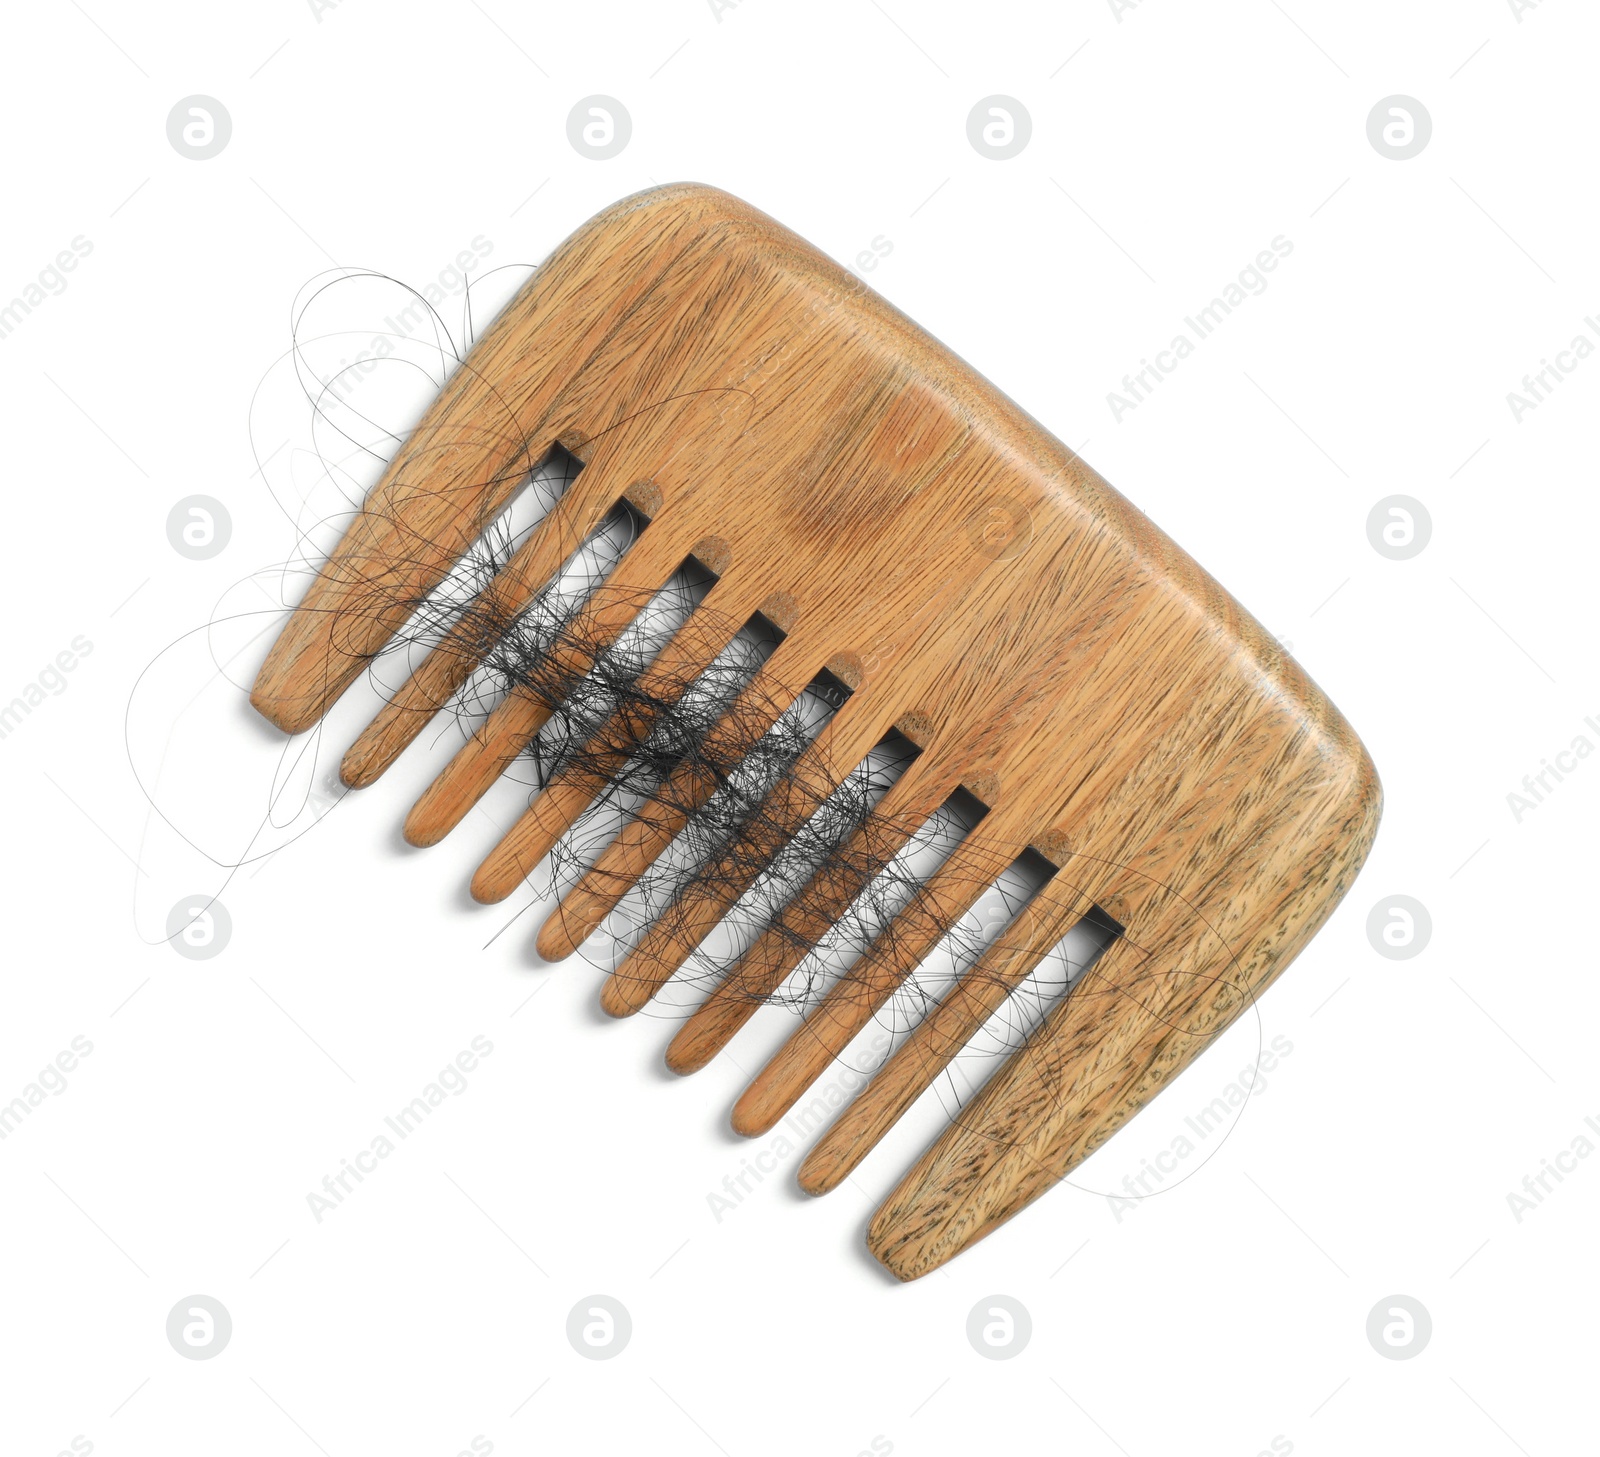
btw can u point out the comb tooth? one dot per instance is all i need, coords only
(553, 812)
(644, 838)
(618, 868)
(399, 549)
(852, 1001)
(1099, 1056)
(493, 747)
(935, 1041)
(455, 657)
(664, 947)
(680, 929)
(570, 791)
(802, 923)
(522, 713)
(456, 472)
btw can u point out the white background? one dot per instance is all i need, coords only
(1170, 144)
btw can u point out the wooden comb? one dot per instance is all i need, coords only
(976, 588)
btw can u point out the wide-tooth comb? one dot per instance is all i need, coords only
(973, 583)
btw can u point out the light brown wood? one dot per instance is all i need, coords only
(762, 969)
(570, 791)
(1054, 651)
(853, 1001)
(936, 1041)
(643, 839)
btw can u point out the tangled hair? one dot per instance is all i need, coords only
(671, 722)
(667, 722)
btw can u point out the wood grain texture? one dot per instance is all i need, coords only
(1057, 654)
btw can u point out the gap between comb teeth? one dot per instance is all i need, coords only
(682, 794)
(979, 996)
(467, 630)
(728, 838)
(809, 1050)
(887, 798)
(601, 609)
(631, 741)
